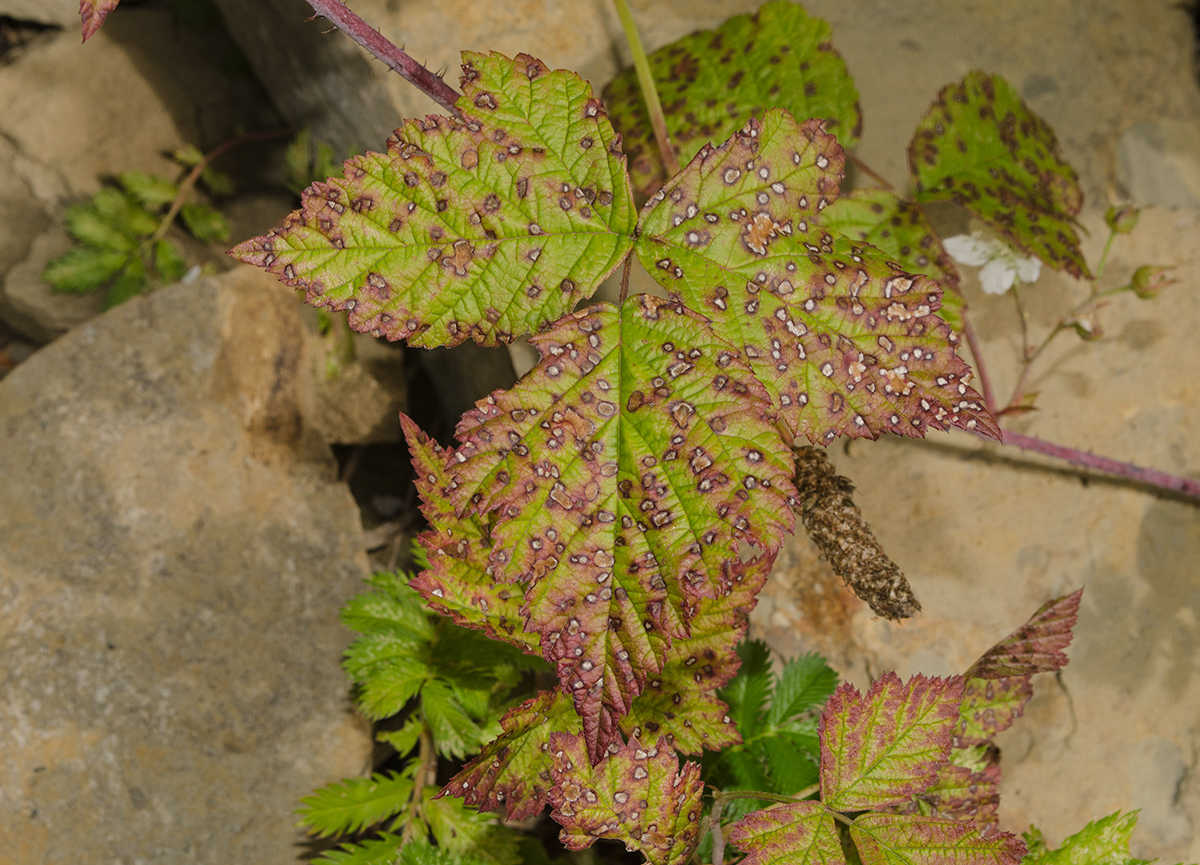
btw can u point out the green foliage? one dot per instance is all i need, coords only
(122, 248)
(1102, 841)
(450, 686)
(307, 161)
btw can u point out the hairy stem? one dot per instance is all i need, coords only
(395, 58)
(718, 839)
(426, 774)
(193, 177)
(640, 62)
(985, 381)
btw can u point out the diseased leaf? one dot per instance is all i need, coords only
(836, 526)
(1038, 646)
(884, 747)
(981, 147)
(899, 228)
(483, 227)
(799, 834)
(711, 82)
(1101, 842)
(356, 803)
(990, 706)
(636, 795)
(457, 582)
(958, 793)
(513, 771)
(624, 476)
(893, 839)
(679, 704)
(92, 14)
(846, 343)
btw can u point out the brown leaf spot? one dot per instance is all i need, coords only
(460, 261)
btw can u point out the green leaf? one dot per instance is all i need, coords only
(356, 803)
(464, 831)
(170, 264)
(387, 675)
(884, 747)
(131, 281)
(455, 731)
(747, 693)
(513, 771)
(483, 227)
(711, 82)
(638, 796)
(845, 343)
(899, 228)
(92, 14)
(805, 683)
(404, 739)
(87, 225)
(643, 432)
(792, 767)
(377, 851)
(981, 147)
(789, 835)
(124, 213)
(889, 839)
(394, 608)
(1038, 646)
(84, 269)
(205, 223)
(150, 191)
(1101, 842)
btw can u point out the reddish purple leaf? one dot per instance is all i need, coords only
(1038, 646)
(513, 771)
(885, 747)
(637, 795)
(846, 342)
(799, 834)
(989, 706)
(457, 582)
(92, 14)
(885, 839)
(622, 480)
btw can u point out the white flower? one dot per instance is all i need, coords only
(1001, 264)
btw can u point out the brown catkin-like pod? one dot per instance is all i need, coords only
(836, 526)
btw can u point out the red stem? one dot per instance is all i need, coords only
(1152, 477)
(985, 381)
(383, 49)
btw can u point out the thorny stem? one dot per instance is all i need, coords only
(985, 381)
(395, 58)
(718, 839)
(193, 176)
(640, 63)
(1153, 477)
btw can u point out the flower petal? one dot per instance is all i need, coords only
(971, 249)
(1028, 269)
(998, 275)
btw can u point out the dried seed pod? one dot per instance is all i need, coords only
(836, 526)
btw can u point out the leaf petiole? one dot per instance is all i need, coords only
(646, 80)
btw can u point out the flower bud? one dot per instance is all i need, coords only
(1149, 280)
(1122, 219)
(1088, 330)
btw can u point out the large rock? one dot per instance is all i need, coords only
(71, 115)
(175, 549)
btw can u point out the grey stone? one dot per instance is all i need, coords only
(64, 13)
(1160, 163)
(175, 550)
